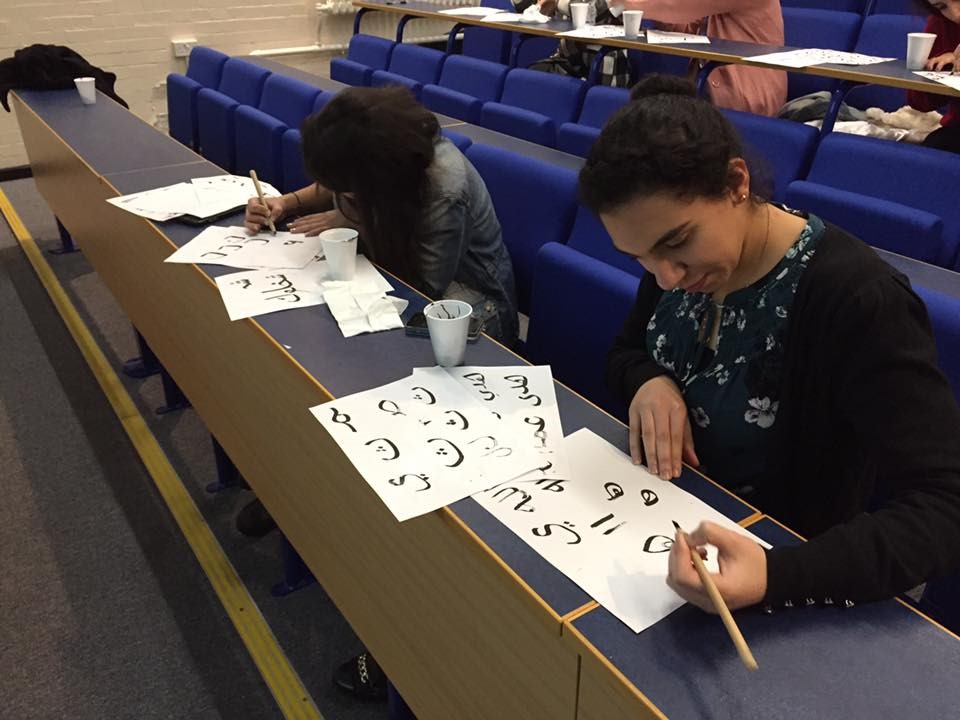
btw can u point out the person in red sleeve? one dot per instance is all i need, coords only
(944, 55)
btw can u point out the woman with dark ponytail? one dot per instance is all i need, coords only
(781, 356)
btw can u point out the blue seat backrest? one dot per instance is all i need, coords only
(487, 44)
(206, 66)
(896, 7)
(600, 103)
(590, 237)
(944, 314)
(534, 201)
(416, 63)
(556, 96)
(529, 49)
(243, 81)
(579, 306)
(782, 148)
(806, 28)
(919, 177)
(856, 6)
(481, 79)
(287, 99)
(370, 50)
(646, 63)
(884, 36)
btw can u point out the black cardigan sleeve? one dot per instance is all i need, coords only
(628, 364)
(899, 410)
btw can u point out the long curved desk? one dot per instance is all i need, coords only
(466, 619)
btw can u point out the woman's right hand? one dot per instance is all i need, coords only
(659, 426)
(256, 216)
(940, 62)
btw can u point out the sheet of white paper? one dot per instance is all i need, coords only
(203, 197)
(423, 442)
(665, 37)
(608, 528)
(362, 312)
(160, 204)
(366, 278)
(259, 292)
(816, 56)
(517, 17)
(944, 78)
(471, 11)
(525, 397)
(595, 32)
(235, 247)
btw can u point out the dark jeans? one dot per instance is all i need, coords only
(946, 138)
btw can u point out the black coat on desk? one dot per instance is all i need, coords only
(50, 67)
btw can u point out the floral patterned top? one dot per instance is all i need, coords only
(732, 394)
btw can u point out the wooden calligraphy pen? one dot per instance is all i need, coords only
(721, 607)
(263, 200)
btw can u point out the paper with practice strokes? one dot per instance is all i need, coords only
(608, 528)
(531, 15)
(667, 37)
(595, 32)
(202, 197)
(235, 247)
(472, 11)
(525, 397)
(817, 56)
(259, 292)
(423, 442)
(944, 78)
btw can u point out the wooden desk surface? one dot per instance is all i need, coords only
(890, 74)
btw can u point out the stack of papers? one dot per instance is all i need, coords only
(531, 15)
(665, 37)
(471, 11)
(201, 197)
(817, 56)
(944, 78)
(595, 32)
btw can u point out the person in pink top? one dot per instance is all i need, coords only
(756, 21)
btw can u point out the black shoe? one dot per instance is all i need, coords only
(254, 520)
(362, 678)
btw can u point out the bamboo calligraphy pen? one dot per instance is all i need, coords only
(721, 607)
(263, 200)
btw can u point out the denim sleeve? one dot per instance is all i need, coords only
(442, 246)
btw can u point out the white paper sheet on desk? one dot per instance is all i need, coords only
(530, 15)
(423, 442)
(471, 11)
(666, 37)
(259, 292)
(524, 396)
(366, 278)
(944, 78)
(158, 205)
(235, 247)
(816, 56)
(202, 197)
(595, 32)
(362, 312)
(608, 528)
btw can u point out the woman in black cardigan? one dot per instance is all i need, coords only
(782, 357)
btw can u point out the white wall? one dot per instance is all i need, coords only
(132, 38)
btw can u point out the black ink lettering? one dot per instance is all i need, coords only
(399, 481)
(658, 544)
(423, 395)
(613, 490)
(390, 407)
(456, 420)
(492, 448)
(442, 451)
(342, 419)
(511, 491)
(649, 497)
(547, 531)
(384, 446)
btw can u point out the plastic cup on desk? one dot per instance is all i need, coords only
(919, 45)
(87, 88)
(340, 250)
(448, 322)
(578, 14)
(631, 23)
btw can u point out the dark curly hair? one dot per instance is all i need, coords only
(376, 143)
(665, 140)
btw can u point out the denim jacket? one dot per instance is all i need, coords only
(462, 255)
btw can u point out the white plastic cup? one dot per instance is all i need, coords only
(87, 88)
(578, 14)
(448, 322)
(340, 250)
(919, 45)
(631, 23)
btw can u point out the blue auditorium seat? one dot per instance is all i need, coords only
(598, 104)
(895, 7)
(291, 157)
(855, 6)
(578, 307)
(240, 84)
(782, 147)
(365, 54)
(884, 36)
(895, 196)
(203, 70)
(534, 201)
(528, 49)
(465, 84)
(487, 44)
(461, 141)
(590, 237)
(813, 28)
(284, 104)
(533, 105)
(411, 66)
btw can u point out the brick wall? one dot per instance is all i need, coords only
(133, 39)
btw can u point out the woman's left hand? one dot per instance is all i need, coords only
(742, 580)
